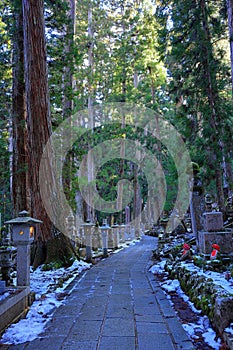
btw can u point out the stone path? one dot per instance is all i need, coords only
(116, 305)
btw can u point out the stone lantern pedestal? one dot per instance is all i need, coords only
(23, 264)
(88, 240)
(115, 229)
(104, 233)
(122, 233)
(110, 238)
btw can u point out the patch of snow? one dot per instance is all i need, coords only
(4, 295)
(210, 337)
(229, 329)
(203, 327)
(203, 324)
(43, 283)
(189, 328)
(217, 277)
(171, 285)
(158, 268)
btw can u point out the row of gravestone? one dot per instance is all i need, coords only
(92, 237)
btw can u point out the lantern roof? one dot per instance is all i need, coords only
(105, 226)
(87, 223)
(24, 218)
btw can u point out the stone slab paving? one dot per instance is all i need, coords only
(117, 304)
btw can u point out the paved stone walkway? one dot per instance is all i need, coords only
(116, 305)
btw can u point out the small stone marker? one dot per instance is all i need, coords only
(213, 221)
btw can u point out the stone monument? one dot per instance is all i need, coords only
(214, 233)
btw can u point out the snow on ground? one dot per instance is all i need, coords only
(218, 278)
(203, 325)
(229, 329)
(48, 297)
(4, 295)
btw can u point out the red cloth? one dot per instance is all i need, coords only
(186, 246)
(216, 246)
(214, 254)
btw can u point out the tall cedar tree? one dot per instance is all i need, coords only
(49, 245)
(19, 157)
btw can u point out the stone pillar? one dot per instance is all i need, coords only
(104, 234)
(96, 240)
(88, 240)
(132, 230)
(196, 212)
(138, 226)
(115, 229)
(110, 238)
(71, 229)
(122, 233)
(127, 215)
(82, 237)
(127, 233)
(23, 264)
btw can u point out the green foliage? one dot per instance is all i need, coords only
(193, 43)
(55, 265)
(154, 54)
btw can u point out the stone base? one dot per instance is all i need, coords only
(223, 239)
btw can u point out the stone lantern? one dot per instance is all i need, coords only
(23, 231)
(87, 227)
(115, 229)
(122, 233)
(6, 258)
(104, 233)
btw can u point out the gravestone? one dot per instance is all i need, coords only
(214, 233)
(213, 221)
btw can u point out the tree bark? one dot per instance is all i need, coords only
(37, 97)
(137, 199)
(67, 88)
(213, 97)
(39, 131)
(69, 67)
(90, 214)
(120, 185)
(20, 195)
(230, 26)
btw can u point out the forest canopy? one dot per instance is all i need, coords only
(174, 58)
